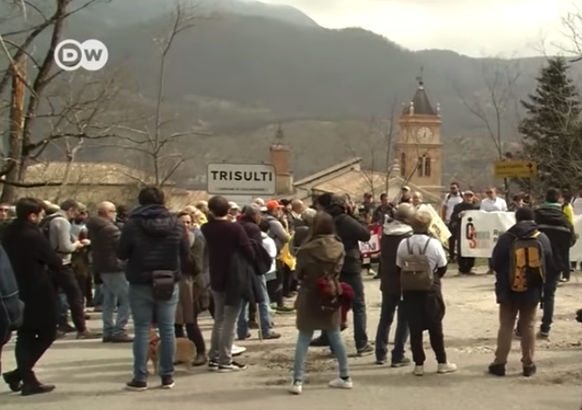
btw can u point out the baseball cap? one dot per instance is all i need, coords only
(272, 205)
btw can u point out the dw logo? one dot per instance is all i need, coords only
(91, 55)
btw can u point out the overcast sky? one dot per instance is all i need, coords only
(472, 27)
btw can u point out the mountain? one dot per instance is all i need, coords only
(269, 70)
(255, 65)
(118, 12)
(282, 13)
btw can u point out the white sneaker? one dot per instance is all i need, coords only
(418, 370)
(237, 350)
(446, 368)
(296, 387)
(340, 383)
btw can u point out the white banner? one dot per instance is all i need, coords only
(480, 231)
(438, 228)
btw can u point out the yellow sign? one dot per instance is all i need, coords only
(515, 169)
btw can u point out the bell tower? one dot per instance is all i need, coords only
(419, 147)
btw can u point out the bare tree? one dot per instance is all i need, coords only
(572, 30)
(493, 105)
(35, 121)
(154, 141)
(377, 148)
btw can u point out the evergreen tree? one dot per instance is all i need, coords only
(552, 135)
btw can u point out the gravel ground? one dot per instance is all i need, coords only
(90, 375)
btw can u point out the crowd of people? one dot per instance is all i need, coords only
(163, 269)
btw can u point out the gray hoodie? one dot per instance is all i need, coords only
(277, 232)
(60, 236)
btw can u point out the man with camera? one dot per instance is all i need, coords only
(351, 232)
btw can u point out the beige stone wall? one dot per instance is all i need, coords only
(89, 195)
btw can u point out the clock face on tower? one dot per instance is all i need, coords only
(424, 134)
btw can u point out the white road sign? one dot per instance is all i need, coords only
(241, 179)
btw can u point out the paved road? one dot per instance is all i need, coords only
(90, 375)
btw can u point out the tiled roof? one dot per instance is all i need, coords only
(356, 183)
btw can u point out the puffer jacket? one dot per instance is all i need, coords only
(153, 239)
(553, 222)
(393, 232)
(11, 307)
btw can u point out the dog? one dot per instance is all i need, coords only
(153, 349)
(184, 353)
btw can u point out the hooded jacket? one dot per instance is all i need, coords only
(553, 222)
(153, 239)
(501, 263)
(351, 232)
(393, 233)
(319, 256)
(277, 231)
(104, 236)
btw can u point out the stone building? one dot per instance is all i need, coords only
(419, 147)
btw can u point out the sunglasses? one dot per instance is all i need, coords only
(488, 192)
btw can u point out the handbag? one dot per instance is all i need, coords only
(163, 285)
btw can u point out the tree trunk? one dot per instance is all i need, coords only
(15, 132)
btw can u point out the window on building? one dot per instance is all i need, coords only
(403, 164)
(423, 166)
(427, 166)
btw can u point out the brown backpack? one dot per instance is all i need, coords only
(415, 272)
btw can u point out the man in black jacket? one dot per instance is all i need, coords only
(351, 232)
(393, 232)
(553, 222)
(468, 204)
(156, 247)
(104, 236)
(30, 254)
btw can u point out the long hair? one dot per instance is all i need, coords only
(323, 224)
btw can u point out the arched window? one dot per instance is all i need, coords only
(420, 167)
(427, 166)
(403, 164)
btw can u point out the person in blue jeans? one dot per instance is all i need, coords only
(319, 260)
(242, 330)
(394, 231)
(104, 236)
(155, 249)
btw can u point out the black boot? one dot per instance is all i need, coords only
(13, 381)
(36, 387)
(321, 341)
(497, 369)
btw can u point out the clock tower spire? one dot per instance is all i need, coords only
(419, 147)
